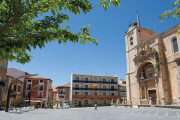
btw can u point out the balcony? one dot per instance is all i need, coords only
(82, 81)
(94, 97)
(103, 89)
(39, 96)
(61, 92)
(122, 90)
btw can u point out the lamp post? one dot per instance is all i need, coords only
(9, 88)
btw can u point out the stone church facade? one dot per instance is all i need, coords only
(153, 66)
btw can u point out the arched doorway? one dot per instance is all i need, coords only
(146, 79)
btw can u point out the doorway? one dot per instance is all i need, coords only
(152, 94)
(79, 103)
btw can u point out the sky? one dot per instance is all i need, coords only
(58, 61)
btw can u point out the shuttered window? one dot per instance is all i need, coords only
(175, 45)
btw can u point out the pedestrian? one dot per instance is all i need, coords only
(95, 106)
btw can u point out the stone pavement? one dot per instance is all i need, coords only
(103, 113)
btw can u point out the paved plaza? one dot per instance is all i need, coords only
(103, 113)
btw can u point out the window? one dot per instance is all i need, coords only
(112, 80)
(131, 41)
(40, 94)
(104, 87)
(29, 87)
(95, 93)
(76, 86)
(112, 94)
(86, 79)
(75, 101)
(40, 88)
(95, 101)
(27, 94)
(29, 80)
(19, 88)
(104, 94)
(86, 93)
(85, 101)
(175, 45)
(41, 81)
(3, 66)
(77, 78)
(112, 87)
(86, 86)
(14, 88)
(76, 93)
(104, 80)
(104, 101)
(95, 78)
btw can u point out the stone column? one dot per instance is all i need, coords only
(157, 89)
(145, 89)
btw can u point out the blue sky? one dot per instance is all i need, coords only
(57, 61)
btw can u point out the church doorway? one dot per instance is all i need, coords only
(152, 94)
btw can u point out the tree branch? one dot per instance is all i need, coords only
(5, 27)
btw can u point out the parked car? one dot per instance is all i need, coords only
(66, 105)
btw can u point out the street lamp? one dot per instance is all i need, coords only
(9, 89)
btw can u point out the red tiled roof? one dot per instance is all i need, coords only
(38, 77)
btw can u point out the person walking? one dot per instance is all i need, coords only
(95, 106)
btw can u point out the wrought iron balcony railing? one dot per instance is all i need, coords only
(103, 89)
(61, 92)
(84, 81)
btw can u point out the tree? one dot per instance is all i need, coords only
(15, 103)
(175, 12)
(19, 31)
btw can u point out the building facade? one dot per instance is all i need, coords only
(63, 94)
(14, 72)
(16, 91)
(153, 66)
(53, 95)
(3, 72)
(41, 89)
(122, 90)
(82, 93)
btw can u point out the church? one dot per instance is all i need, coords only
(153, 66)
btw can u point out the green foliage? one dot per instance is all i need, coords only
(15, 103)
(156, 66)
(36, 105)
(20, 31)
(21, 105)
(175, 12)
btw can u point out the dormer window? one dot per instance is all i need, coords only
(131, 41)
